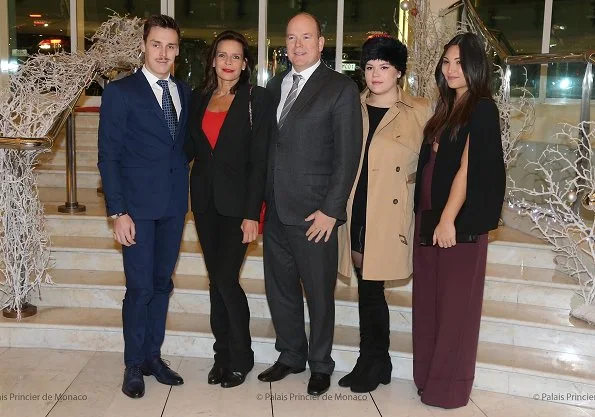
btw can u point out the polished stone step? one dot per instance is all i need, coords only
(503, 322)
(94, 222)
(501, 368)
(104, 254)
(55, 176)
(88, 120)
(86, 156)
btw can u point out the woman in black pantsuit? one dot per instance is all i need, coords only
(229, 129)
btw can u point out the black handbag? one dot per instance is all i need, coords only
(429, 221)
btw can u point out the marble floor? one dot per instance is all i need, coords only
(66, 383)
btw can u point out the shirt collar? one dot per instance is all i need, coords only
(151, 78)
(307, 73)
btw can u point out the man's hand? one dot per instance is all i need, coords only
(445, 234)
(124, 231)
(322, 226)
(250, 229)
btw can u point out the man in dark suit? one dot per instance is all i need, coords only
(312, 166)
(144, 172)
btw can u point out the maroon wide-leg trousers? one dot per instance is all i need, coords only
(447, 298)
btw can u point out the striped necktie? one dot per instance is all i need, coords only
(171, 117)
(291, 97)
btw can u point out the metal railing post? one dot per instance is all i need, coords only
(71, 206)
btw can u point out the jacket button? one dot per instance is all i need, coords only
(395, 201)
(398, 169)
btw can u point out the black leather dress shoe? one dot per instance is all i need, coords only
(134, 384)
(278, 371)
(161, 371)
(319, 383)
(232, 379)
(215, 374)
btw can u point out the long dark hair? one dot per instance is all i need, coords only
(476, 69)
(210, 79)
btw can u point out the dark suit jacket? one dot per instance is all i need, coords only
(315, 155)
(235, 171)
(486, 176)
(144, 171)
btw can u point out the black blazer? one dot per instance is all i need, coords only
(234, 173)
(314, 156)
(486, 176)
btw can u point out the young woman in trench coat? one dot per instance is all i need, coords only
(377, 240)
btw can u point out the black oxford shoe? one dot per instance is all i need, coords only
(215, 374)
(133, 384)
(232, 379)
(278, 371)
(319, 383)
(162, 372)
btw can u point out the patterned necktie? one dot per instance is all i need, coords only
(291, 97)
(169, 110)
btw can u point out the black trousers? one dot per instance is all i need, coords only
(221, 241)
(291, 261)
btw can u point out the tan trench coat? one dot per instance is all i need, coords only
(392, 162)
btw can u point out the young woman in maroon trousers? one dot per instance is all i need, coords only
(459, 194)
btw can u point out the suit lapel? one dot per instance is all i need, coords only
(277, 82)
(389, 116)
(310, 89)
(198, 116)
(147, 91)
(235, 109)
(183, 111)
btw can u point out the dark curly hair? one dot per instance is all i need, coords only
(385, 48)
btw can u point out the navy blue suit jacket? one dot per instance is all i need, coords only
(144, 171)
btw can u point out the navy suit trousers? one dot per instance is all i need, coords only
(148, 266)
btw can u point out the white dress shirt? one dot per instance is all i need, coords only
(158, 91)
(288, 82)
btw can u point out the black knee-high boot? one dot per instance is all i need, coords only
(348, 379)
(373, 365)
(376, 366)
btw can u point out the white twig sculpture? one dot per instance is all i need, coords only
(571, 236)
(117, 44)
(38, 94)
(23, 237)
(431, 34)
(521, 107)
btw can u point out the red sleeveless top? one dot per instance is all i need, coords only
(211, 125)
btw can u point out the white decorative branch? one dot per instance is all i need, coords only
(571, 236)
(38, 93)
(522, 107)
(431, 34)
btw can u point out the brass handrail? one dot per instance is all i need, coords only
(44, 142)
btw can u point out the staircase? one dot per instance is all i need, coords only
(529, 346)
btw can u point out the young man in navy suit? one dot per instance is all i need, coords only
(144, 172)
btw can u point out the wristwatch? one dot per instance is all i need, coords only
(115, 216)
